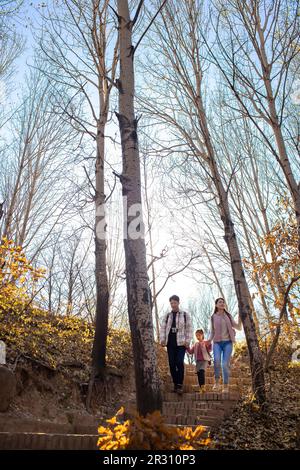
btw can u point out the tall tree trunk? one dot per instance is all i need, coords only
(153, 292)
(140, 317)
(1, 209)
(240, 283)
(102, 289)
(154, 297)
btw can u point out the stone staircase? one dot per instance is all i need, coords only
(208, 409)
(45, 435)
(191, 409)
(46, 441)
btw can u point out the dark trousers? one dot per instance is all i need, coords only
(201, 377)
(176, 363)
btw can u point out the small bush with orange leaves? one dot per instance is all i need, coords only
(18, 277)
(149, 433)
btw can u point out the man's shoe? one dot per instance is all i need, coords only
(179, 389)
(175, 388)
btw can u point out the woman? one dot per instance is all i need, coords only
(223, 336)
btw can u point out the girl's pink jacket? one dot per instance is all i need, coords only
(201, 351)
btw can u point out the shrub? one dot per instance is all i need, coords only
(148, 433)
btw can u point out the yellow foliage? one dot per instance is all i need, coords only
(35, 332)
(294, 365)
(279, 261)
(240, 348)
(148, 433)
(17, 277)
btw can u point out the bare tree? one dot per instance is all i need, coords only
(140, 317)
(201, 307)
(11, 46)
(181, 85)
(90, 74)
(32, 169)
(253, 181)
(167, 261)
(11, 43)
(255, 46)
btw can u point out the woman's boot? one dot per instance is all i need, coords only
(217, 386)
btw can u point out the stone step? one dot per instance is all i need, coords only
(46, 441)
(211, 381)
(193, 420)
(199, 405)
(193, 380)
(169, 396)
(27, 425)
(206, 431)
(210, 373)
(192, 411)
(234, 366)
(195, 388)
(34, 425)
(197, 411)
(209, 378)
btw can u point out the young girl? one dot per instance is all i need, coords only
(201, 351)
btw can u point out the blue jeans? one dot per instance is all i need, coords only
(222, 353)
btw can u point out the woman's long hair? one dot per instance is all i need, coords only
(216, 308)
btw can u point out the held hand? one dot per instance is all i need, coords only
(163, 344)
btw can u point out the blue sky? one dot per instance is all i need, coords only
(28, 16)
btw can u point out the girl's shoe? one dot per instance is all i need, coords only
(216, 388)
(225, 388)
(202, 389)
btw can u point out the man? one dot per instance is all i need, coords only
(176, 333)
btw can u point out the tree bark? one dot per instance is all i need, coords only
(140, 316)
(102, 289)
(240, 283)
(1, 209)
(153, 291)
